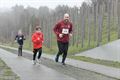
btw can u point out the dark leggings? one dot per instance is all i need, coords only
(20, 50)
(35, 53)
(63, 49)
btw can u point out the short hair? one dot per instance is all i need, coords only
(37, 28)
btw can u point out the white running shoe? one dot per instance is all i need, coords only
(38, 61)
(34, 62)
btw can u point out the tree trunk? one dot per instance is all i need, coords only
(108, 19)
(118, 13)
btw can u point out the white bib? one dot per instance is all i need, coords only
(20, 38)
(65, 31)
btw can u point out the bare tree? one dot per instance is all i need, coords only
(118, 13)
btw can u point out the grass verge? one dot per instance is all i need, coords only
(6, 73)
(97, 61)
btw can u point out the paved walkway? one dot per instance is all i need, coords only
(108, 71)
(110, 51)
(24, 68)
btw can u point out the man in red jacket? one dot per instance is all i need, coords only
(63, 29)
(37, 39)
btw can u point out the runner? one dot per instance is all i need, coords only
(37, 39)
(20, 39)
(63, 29)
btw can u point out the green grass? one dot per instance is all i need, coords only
(97, 61)
(7, 72)
(53, 50)
(2, 64)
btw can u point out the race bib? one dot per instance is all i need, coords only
(20, 38)
(65, 31)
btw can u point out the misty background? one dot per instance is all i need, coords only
(95, 22)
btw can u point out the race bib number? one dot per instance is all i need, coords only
(65, 31)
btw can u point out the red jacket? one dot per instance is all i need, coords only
(37, 39)
(58, 29)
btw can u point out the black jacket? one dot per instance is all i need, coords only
(20, 39)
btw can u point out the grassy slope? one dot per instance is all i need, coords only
(6, 72)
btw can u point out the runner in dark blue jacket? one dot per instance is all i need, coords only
(19, 39)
